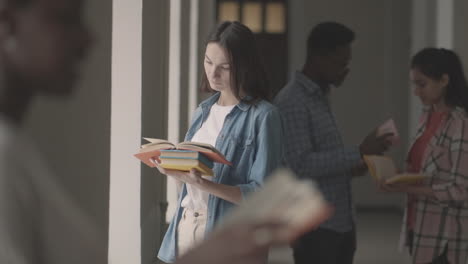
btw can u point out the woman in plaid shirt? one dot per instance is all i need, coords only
(435, 226)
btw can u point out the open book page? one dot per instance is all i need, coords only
(153, 149)
(207, 149)
(205, 146)
(155, 140)
(157, 143)
(382, 167)
(284, 199)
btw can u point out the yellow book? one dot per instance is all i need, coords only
(382, 167)
(186, 165)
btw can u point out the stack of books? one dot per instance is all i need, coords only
(185, 160)
(183, 156)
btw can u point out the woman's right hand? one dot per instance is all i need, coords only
(396, 187)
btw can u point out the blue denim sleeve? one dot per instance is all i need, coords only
(268, 151)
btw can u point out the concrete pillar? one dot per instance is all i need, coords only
(124, 207)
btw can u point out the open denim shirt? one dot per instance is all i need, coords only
(251, 138)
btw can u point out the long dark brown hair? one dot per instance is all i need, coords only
(434, 63)
(246, 70)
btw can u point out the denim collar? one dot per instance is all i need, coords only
(208, 103)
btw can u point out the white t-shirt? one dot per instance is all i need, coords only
(39, 223)
(197, 200)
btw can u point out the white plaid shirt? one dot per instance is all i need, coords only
(443, 220)
(314, 148)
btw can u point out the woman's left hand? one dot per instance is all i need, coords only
(410, 188)
(193, 177)
(393, 187)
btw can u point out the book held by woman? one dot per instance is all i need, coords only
(183, 156)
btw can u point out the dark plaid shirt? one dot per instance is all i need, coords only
(314, 148)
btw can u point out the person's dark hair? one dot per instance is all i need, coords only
(19, 3)
(247, 72)
(326, 37)
(434, 63)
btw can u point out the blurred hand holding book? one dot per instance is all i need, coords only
(298, 205)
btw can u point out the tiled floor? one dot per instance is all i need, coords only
(378, 234)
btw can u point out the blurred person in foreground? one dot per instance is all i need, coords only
(42, 43)
(240, 243)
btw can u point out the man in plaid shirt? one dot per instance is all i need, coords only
(314, 147)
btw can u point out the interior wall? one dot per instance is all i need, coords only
(423, 34)
(460, 36)
(376, 88)
(207, 21)
(74, 134)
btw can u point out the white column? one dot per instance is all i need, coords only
(460, 38)
(429, 32)
(444, 24)
(299, 28)
(193, 59)
(419, 39)
(174, 94)
(124, 211)
(387, 54)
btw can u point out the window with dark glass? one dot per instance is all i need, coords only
(268, 20)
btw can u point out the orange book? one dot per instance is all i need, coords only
(152, 150)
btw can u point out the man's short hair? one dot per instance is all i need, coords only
(19, 3)
(326, 37)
